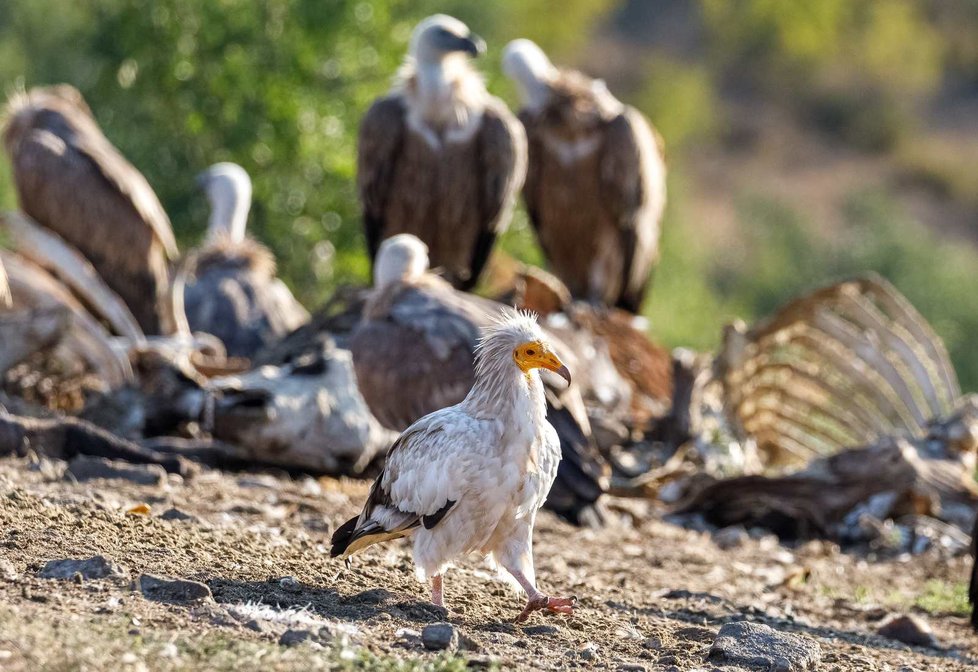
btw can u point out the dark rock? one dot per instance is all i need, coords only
(289, 584)
(294, 637)
(535, 630)
(480, 662)
(86, 468)
(730, 537)
(757, 646)
(95, 567)
(589, 651)
(165, 589)
(256, 625)
(631, 667)
(177, 514)
(909, 629)
(439, 637)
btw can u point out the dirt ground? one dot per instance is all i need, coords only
(652, 595)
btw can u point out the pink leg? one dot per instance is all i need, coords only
(537, 600)
(437, 594)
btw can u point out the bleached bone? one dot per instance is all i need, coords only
(842, 366)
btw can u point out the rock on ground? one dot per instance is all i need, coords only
(86, 468)
(165, 589)
(758, 646)
(95, 567)
(909, 629)
(439, 637)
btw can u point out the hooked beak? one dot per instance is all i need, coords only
(473, 45)
(542, 358)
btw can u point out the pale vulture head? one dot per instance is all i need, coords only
(526, 64)
(516, 340)
(400, 258)
(440, 36)
(228, 190)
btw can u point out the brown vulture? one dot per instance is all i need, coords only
(413, 354)
(440, 158)
(72, 180)
(596, 181)
(230, 289)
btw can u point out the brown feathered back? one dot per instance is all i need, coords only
(456, 198)
(595, 190)
(70, 179)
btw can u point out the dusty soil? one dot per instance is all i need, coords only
(651, 594)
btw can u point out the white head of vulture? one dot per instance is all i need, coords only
(438, 156)
(73, 181)
(230, 287)
(595, 186)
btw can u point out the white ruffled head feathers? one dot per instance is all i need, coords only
(403, 257)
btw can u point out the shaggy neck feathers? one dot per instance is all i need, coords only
(445, 97)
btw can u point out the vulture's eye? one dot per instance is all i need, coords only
(530, 352)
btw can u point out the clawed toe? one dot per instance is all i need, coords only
(557, 605)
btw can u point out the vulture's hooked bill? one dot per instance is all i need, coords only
(72, 180)
(230, 289)
(596, 181)
(439, 157)
(414, 352)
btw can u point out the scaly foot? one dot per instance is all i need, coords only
(558, 605)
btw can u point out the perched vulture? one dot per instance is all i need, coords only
(596, 182)
(439, 157)
(414, 352)
(230, 289)
(70, 179)
(470, 478)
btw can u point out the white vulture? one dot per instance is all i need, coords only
(470, 478)
(439, 157)
(414, 352)
(596, 182)
(72, 180)
(230, 289)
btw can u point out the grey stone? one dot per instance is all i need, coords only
(177, 514)
(166, 589)
(86, 468)
(730, 537)
(631, 667)
(7, 570)
(294, 637)
(757, 646)
(589, 651)
(256, 625)
(909, 629)
(289, 584)
(534, 630)
(95, 567)
(439, 637)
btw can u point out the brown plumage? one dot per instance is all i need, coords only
(595, 186)
(70, 179)
(439, 157)
(414, 354)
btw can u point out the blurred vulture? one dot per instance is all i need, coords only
(231, 290)
(413, 354)
(595, 186)
(439, 157)
(70, 179)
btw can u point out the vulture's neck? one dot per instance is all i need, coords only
(502, 392)
(445, 99)
(229, 215)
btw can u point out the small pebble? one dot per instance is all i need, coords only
(909, 629)
(589, 651)
(294, 637)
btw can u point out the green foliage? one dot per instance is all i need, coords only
(679, 98)
(941, 597)
(278, 86)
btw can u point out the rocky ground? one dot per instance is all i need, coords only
(232, 572)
